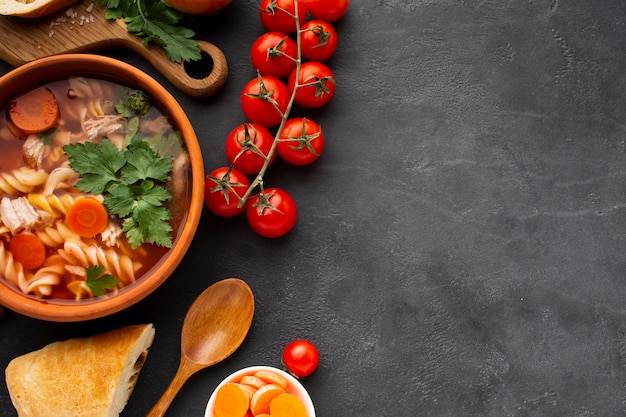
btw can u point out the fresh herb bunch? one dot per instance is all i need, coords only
(132, 183)
(155, 21)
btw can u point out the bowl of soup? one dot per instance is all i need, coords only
(101, 187)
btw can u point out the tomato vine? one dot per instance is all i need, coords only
(268, 101)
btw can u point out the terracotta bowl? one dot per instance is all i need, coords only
(294, 387)
(95, 66)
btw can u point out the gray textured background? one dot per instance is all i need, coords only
(460, 246)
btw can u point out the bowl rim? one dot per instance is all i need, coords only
(99, 66)
(296, 387)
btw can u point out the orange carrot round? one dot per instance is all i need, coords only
(87, 217)
(252, 381)
(270, 377)
(260, 402)
(35, 111)
(287, 405)
(231, 401)
(28, 250)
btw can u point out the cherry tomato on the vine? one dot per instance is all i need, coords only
(264, 100)
(279, 15)
(318, 40)
(274, 53)
(223, 189)
(316, 84)
(301, 141)
(272, 213)
(247, 147)
(301, 358)
(329, 10)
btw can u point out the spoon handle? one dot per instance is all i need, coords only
(182, 375)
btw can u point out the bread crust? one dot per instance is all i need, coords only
(33, 9)
(89, 377)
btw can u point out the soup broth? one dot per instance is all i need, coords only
(39, 185)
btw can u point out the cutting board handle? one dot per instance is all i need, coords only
(177, 74)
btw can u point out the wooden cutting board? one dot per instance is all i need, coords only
(82, 28)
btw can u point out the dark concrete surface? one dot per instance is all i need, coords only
(460, 249)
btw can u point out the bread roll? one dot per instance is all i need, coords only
(32, 8)
(90, 377)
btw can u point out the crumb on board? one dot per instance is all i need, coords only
(72, 18)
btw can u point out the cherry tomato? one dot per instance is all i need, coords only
(328, 10)
(274, 54)
(264, 100)
(272, 213)
(198, 7)
(301, 141)
(316, 85)
(247, 146)
(318, 40)
(221, 188)
(301, 358)
(279, 15)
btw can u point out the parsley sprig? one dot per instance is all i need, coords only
(97, 282)
(132, 183)
(155, 21)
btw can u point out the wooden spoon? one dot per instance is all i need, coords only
(215, 326)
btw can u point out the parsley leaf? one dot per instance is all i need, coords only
(155, 21)
(132, 183)
(98, 282)
(98, 165)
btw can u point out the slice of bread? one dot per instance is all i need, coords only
(32, 8)
(90, 377)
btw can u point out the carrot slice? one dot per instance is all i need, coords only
(270, 377)
(35, 111)
(252, 380)
(28, 250)
(248, 390)
(287, 405)
(87, 217)
(231, 401)
(260, 402)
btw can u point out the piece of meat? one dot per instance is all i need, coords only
(18, 214)
(34, 151)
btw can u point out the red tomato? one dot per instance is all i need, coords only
(247, 146)
(272, 213)
(221, 190)
(301, 358)
(198, 7)
(329, 10)
(301, 141)
(316, 85)
(318, 40)
(274, 54)
(279, 15)
(264, 100)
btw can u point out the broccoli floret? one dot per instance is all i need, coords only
(139, 102)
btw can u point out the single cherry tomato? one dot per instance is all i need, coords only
(301, 358)
(301, 141)
(328, 10)
(274, 54)
(247, 146)
(318, 40)
(198, 7)
(316, 84)
(279, 15)
(272, 213)
(223, 190)
(264, 100)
